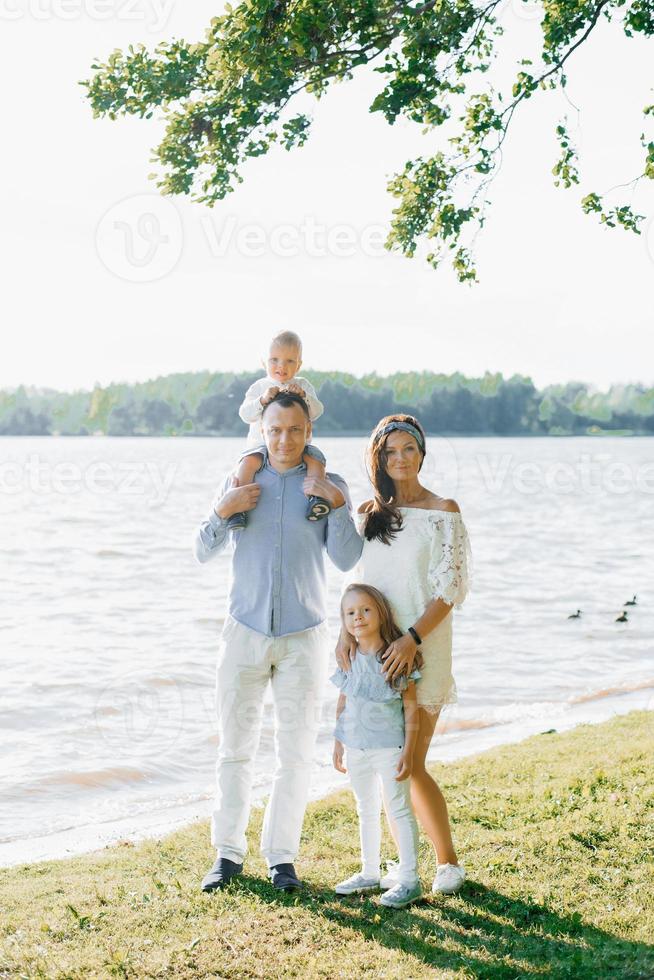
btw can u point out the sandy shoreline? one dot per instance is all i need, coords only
(446, 748)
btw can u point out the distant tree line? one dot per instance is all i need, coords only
(206, 404)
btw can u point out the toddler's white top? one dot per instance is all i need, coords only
(251, 409)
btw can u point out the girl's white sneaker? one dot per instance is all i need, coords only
(400, 895)
(449, 878)
(357, 883)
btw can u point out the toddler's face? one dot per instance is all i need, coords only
(361, 616)
(283, 363)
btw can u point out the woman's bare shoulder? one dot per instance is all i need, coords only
(443, 503)
(365, 507)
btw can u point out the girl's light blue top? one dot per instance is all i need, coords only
(373, 717)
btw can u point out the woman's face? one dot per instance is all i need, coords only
(402, 456)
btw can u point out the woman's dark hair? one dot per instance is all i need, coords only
(384, 519)
(388, 628)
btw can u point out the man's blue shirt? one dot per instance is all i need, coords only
(278, 581)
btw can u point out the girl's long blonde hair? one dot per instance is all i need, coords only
(388, 628)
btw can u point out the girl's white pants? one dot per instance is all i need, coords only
(372, 777)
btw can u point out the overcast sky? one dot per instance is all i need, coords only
(101, 284)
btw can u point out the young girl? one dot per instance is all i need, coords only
(283, 362)
(376, 727)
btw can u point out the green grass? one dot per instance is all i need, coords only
(557, 835)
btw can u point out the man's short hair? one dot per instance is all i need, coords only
(287, 399)
(287, 338)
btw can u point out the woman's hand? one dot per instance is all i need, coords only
(399, 656)
(404, 765)
(346, 650)
(337, 756)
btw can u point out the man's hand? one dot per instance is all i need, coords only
(296, 390)
(399, 657)
(337, 757)
(346, 650)
(404, 766)
(236, 499)
(268, 395)
(322, 487)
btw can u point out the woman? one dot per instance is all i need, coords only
(416, 552)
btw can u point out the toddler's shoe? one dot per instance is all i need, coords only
(449, 879)
(317, 508)
(357, 883)
(237, 521)
(400, 895)
(390, 878)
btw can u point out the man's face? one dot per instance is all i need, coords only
(286, 432)
(283, 363)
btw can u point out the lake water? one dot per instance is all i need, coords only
(109, 628)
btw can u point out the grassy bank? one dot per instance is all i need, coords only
(557, 834)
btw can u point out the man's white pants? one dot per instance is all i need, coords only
(295, 666)
(370, 769)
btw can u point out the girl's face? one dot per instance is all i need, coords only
(402, 456)
(361, 617)
(283, 363)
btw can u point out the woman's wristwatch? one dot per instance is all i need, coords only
(414, 634)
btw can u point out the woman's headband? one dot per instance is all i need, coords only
(405, 427)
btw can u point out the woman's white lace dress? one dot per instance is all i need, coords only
(428, 558)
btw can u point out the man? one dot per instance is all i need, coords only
(275, 633)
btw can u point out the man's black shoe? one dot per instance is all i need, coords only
(284, 878)
(221, 874)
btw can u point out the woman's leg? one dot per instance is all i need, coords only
(428, 801)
